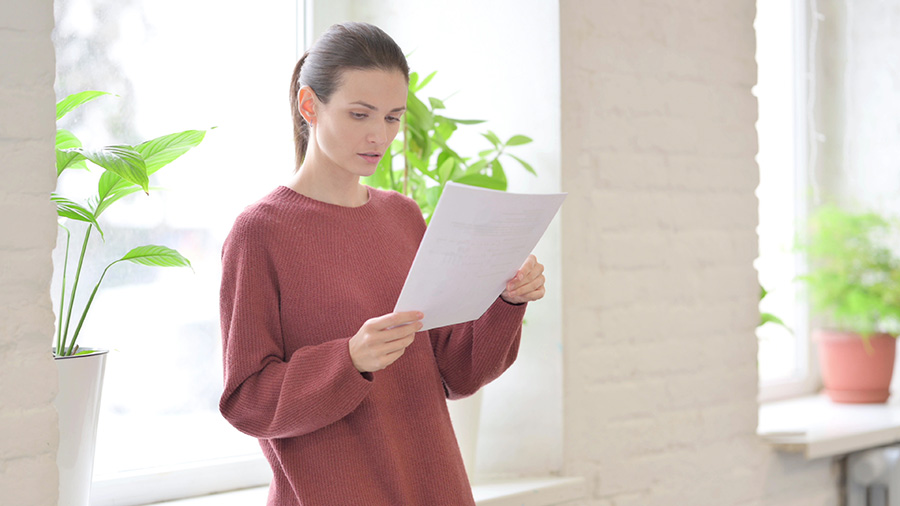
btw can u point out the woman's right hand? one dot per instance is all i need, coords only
(382, 340)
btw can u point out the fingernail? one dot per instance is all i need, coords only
(419, 315)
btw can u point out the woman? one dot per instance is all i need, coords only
(346, 397)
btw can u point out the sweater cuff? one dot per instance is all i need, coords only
(511, 303)
(348, 360)
(508, 309)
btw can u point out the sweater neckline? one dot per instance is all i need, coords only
(296, 196)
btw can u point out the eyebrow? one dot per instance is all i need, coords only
(372, 107)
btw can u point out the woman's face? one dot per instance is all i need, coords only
(356, 127)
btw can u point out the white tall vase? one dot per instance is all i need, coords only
(78, 405)
(465, 414)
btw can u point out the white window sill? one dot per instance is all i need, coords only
(543, 491)
(817, 427)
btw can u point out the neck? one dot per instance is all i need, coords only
(326, 184)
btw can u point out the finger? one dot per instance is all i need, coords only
(396, 346)
(529, 287)
(529, 263)
(407, 331)
(523, 278)
(528, 297)
(532, 274)
(392, 357)
(396, 319)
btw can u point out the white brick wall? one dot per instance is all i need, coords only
(28, 424)
(660, 300)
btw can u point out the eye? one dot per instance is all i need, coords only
(358, 115)
(392, 119)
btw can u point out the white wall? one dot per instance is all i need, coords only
(660, 294)
(28, 425)
(501, 59)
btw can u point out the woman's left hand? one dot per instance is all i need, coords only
(527, 285)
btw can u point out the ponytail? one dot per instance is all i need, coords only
(301, 127)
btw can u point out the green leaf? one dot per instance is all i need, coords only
(498, 173)
(486, 153)
(491, 136)
(417, 162)
(156, 256)
(123, 160)
(425, 81)
(436, 103)
(446, 168)
(69, 158)
(70, 103)
(770, 318)
(418, 115)
(111, 188)
(432, 195)
(482, 181)
(66, 139)
(161, 151)
(524, 164)
(477, 167)
(518, 140)
(467, 121)
(72, 210)
(444, 127)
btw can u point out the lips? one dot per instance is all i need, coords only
(370, 157)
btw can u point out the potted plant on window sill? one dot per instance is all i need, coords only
(854, 288)
(419, 165)
(126, 170)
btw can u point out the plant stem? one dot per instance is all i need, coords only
(87, 235)
(87, 307)
(62, 295)
(405, 160)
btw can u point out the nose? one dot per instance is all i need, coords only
(379, 134)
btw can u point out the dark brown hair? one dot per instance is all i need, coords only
(344, 46)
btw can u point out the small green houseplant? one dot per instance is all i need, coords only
(126, 171)
(853, 282)
(420, 163)
(854, 275)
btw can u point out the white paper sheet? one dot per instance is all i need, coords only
(475, 243)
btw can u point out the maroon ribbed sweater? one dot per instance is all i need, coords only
(299, 278)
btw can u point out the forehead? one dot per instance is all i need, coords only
(382, 88)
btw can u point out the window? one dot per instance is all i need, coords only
(784, 365)
(176, 65)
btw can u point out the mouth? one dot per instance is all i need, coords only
(370, 157)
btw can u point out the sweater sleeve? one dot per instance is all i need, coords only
(472, 354)
(266, 393)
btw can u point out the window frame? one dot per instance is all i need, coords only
(186, 480)
(807, 380)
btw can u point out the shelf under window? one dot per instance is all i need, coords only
(817, 427)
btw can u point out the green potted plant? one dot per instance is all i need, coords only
(853, 283)
(420, 164)
(126, 170)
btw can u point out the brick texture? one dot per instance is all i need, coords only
(660, 301)
(28, 383)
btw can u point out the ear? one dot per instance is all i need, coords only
(307, 101)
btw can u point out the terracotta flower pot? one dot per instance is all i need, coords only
(851, 373)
